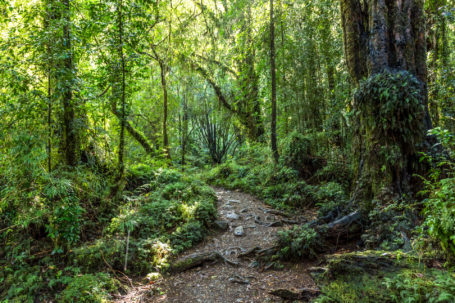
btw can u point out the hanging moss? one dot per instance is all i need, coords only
(391, 111)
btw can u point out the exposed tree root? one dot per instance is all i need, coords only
(198, 259)
(304, 294)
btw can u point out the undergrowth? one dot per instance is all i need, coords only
(64, 236)
(301, 179)
(378, 277)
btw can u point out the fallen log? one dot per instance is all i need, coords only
(198, 259)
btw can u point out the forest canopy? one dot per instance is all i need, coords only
(127, 126)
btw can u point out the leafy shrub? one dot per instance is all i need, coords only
(289, 194)
(204, 213)
(21, 284)
(89, 288)
(138, 175)
(252, 153)
(64, 220)
(187, 235)
(93, 256)
(387, 223)
(296, 154)
(280, 187)
(172, 209)
(299, 242)
(222, 171)
(440, 214)
(330, 197)
(431, 286)
(378, 276)
(439, 193)
(72, 211)
(330, 191)
(338, 170)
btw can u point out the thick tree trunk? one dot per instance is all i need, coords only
(382, 35)
(387, 36)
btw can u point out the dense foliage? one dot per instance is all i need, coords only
(117, 115)
(79, 231)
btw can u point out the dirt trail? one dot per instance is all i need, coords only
(224, 283)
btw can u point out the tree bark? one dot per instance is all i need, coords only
(184, 130)
(121, 151)
(387, 36)
(273, 76)
(163, 72)
(49, 15)
(283, 74)
(382, 35)
(71, 143)
(49, 122)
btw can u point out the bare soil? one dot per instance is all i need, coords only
(222, 282)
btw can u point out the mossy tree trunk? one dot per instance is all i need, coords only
(121, 151)
(273, 138)
(71, 139)
(388, 36)
(163, 73)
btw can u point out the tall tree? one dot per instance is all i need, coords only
(121, 151)
(71, 138)
(48, 16)
(273, 76)
(163, 74)
(385, 44)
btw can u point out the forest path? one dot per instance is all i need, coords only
(222, 282)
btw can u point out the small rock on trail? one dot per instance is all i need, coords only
(238, 231)
(232, 216)
(221, 225)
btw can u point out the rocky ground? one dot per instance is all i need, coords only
(246, 224)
